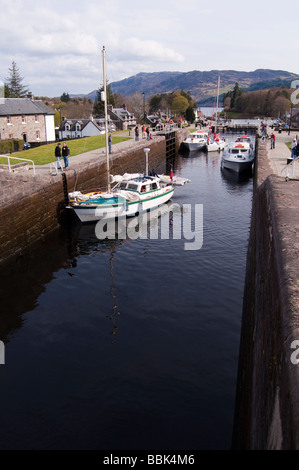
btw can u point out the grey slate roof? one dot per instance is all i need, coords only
(72, 123)
(23, 106)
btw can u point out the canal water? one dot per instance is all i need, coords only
(130, 344)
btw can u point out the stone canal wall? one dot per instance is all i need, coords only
(31, 207)
(267, 399)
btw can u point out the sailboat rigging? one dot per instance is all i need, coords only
(217, 143)
(132, 195)
(104, 98)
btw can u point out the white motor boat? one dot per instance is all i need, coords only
(239, 156)
(196, 140)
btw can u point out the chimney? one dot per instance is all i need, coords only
(30, 96)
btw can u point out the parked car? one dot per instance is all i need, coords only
(26, 145)
(158, 127)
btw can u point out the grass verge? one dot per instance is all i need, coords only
(45, 153)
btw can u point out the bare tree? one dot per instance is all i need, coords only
(135, 105)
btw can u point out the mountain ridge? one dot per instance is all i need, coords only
(202, 85)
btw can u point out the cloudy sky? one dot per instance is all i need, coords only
(57, 44)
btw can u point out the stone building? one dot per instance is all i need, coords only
(26, 118)
(122, 118)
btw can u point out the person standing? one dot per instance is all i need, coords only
(110, 143)
(147, 133)
(136, 133)
(58, 155)
(65, 154)
(293, 148)
(272, 140)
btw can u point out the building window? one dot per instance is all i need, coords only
(23, 120)
(67, 127)
(10, 136)
(37, 135)
(36, 118)
(8, 120)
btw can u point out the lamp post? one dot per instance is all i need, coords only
(146, 150)
(291, 118)
(143, 105)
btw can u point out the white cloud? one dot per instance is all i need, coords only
(57, 45)
(150, 50)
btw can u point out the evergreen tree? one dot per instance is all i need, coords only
(65, 97)
(99, 104)
(190, 116)
(14, 84)
(237, 92)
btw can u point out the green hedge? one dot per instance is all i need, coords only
(11, 145)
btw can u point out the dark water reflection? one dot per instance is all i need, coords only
(129, 344)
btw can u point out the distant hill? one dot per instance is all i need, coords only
(201, 85)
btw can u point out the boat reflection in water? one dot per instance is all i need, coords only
(232, 178)
(111, 235)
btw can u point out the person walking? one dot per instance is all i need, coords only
(147, 133)
(110, 143)
(65, 153)
(58, 155)
(136, 133)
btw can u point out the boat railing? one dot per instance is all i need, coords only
(9, 157)
(291, 163)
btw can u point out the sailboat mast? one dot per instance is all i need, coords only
(218, 86)
(106, 118)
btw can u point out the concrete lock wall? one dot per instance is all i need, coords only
(267, 399)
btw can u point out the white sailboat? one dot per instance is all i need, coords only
(216, 144)
(128, 197)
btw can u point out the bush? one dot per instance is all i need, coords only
(11, 145)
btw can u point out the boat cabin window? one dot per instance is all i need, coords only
(154, 186)
(133, 186)
(143, 189)
(123, 185)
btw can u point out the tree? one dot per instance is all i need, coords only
(190, 116)
(65, 97)
(135, 105)
(237, 92)
(14, 83)
(99, 104)
(179, 105)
